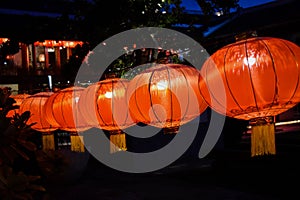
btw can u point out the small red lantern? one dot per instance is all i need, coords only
(103, 105)
(35, 104)
(261, 78)
(61, 110)
(19, 98)
(166, 96)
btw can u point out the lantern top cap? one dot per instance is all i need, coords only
(246, 35)
(253, 40)
(72, 88)
(42, 94)
(113, 79)
(159, 67)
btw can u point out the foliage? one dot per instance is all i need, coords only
(15, 145)
(101, 19)
(104, 18)
(52, 162)
(220, 7)
(132, 62)
(18, 185)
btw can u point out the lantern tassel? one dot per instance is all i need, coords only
(171, 130)
(48, 142)
(118, 142)
(263, 138)
(77, 144)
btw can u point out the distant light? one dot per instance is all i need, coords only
(51, 50)
(50, 81)
(219, 13)
(282, 123)
(164, 12)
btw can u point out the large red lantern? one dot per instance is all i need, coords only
(103, 105)
(261, 79)
(35, 104)
(61, 109)
(166, 96)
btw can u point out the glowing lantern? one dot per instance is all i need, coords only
(166, 96)
(61, 110)
(35, 104)
(18, 98)
(103, 105)
(261, 79)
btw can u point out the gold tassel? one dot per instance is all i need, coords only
(263, 139)
(118, 142)
(171, 130)
(77, 143)
(48, 142)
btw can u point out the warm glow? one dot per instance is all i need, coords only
(103, 104)
(19, 98)
(268, 89)
(61, 109)
(42, 57)
(60, 43)
(35, 104)
(165, 96)
(3, 40)
(249, 61)
(8, 57)
(162, 85)
(108, 95)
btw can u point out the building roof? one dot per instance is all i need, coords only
(275, 19)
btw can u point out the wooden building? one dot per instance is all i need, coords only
(31, 65)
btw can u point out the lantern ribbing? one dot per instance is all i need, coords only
(261, 80)
(166, 96)
(103, 105)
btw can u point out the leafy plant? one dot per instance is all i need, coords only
(16, 149)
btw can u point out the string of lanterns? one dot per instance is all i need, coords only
(260, 75)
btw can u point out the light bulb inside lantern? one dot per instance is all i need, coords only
(249, 61)
(162, 85)
(108, 95)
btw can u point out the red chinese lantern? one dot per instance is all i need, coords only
(35, 104)
(62, 111)
(261, 79)
(18, 98)
(166, 96)
(103, 105)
